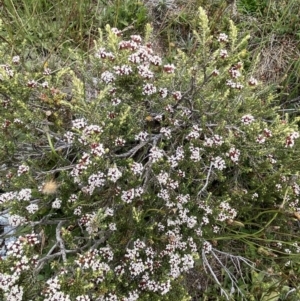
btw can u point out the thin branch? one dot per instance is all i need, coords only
(60, 241)
(132, 152)
(207, 180)
(42, 261)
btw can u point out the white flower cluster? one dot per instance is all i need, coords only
(7, 197)
(97, 149)
(233, 154)
(247, 119)
(195, 153)
(32, 208)
(122, 70)
(16, 249)
(94, 181)
(79, 123)
(156, 154)
(290, 139)
(129, 195)
(142, 136)
(223, 53)
(169, 68)
(223, 38)
(137, 168)
(226, 212)
(22, 169)
(207, 247)
(83, 298)
(69, 137)
(175, 159)
(166, 132)
(16, 220)
(56, 204)
(195, 133)
(234, 85)
(15, 293)
(24, 194)
(218, 163)
(7, 281)
(107, 77)
(148, 89)
(120, 141)
(215, 140)
(114, 174)
(92, 260)
(163, 92)
(145, 72)
(102, 54)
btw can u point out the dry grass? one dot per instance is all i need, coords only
(275, 59)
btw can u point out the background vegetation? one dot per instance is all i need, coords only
(93, 164)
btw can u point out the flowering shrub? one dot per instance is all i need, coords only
(146, 171)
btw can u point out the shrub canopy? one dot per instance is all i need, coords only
(124, 173)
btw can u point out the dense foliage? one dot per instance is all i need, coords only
(125, 174)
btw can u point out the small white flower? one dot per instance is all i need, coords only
(261, 139)
(32, 208)
(195, 153)
(163, 93)
(114, 174)
(79, 123)
(137, 168)
(156, 154)
(116, 31)
(233, 154)
(222, 37)
(16, 220)
(112, 227)
(120, 141)
(290, 140)
(166, 132)
(223, 53)
(22, 169)
(122, 70)
(16, 59)
(252, 81)
(128, 196)
(145, 72)
(142, 136)
(207, 247)
(107, 77)
(247, 119)
(97, 149)
(148, 89)
(56, 204)
(109, 212)
(155, 60)
(218, 163)
(177, 95)
(69, 137)
(77, 211)
(116, 101)
(136, 38)
(45, 84)
(163, 178)
(24, 194)
(271, 158)
(169, 68)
